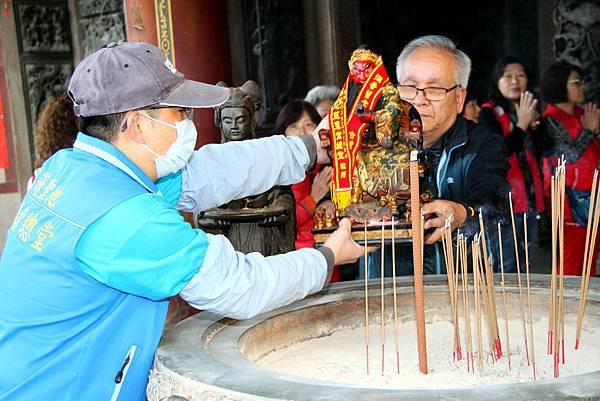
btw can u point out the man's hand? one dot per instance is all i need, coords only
(322, 156)
(344, 248)
(437, 213)
(329, 208)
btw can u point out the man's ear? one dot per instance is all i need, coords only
(134, 127)
(461, 96)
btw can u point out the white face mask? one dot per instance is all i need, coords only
(179, 152)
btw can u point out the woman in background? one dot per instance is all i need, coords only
(322, 97)
(511, 111)
(574, 131)
(56, 129)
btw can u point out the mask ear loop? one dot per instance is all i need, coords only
(125, 123)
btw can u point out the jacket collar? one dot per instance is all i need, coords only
(456, 135)
(114, 156)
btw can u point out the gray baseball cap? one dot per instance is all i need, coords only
(127, 76)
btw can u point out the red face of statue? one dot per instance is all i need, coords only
(361, 70)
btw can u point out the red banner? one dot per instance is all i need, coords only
(347, 129)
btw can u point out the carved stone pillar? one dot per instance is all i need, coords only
(101, 22)
(332, 31)
(267, 42)
(44, 52)
(577, 40)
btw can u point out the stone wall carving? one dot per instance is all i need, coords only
(275, 43)
(102, 22)
(44, 27)
(88, 8)
(577, 40)
(45, 54)
(44, 82)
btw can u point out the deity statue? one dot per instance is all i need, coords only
(372, 132)
(263, 223)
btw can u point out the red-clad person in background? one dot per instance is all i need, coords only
(575, 132)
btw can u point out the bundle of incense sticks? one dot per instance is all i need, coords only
(452, 288)
(590, 241)
(462, 250)
(476, 299)
(485, 296)
(489, 275)
(556, 309)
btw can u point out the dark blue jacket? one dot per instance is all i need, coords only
(470, 168)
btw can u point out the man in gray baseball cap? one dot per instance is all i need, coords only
(132, 75)
(98, 246)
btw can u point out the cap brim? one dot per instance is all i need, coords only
(193, 94)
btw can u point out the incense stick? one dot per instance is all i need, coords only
(489, 274)
(449, 261)
(382, 299)
(456, 318)
(417, 220)
(521, 303)
(474, 252)
(485, 298)
(590, 242)
(561, 237)
(551, 306)
(504, 297)
(366, 299)
(529, 296)
(466, 309)
(396, 323)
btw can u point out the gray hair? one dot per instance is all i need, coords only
(322, 92)
(461, 75)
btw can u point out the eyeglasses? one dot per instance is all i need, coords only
(432, 93)
(189, 112)
(576, 81)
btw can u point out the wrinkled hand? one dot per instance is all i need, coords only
(591, 118)
(526, 110)
(437, 212)
(322, 157)
(343, 246)
(320, 185)
(329, 208)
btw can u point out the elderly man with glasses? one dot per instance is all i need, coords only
(467, 162)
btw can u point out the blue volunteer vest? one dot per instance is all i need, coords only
(64, 335)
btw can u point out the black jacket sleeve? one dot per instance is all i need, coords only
(513, 141)
(486, 186)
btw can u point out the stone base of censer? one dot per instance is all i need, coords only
(314, 349)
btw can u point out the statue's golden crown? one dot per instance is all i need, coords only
(363, 55)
